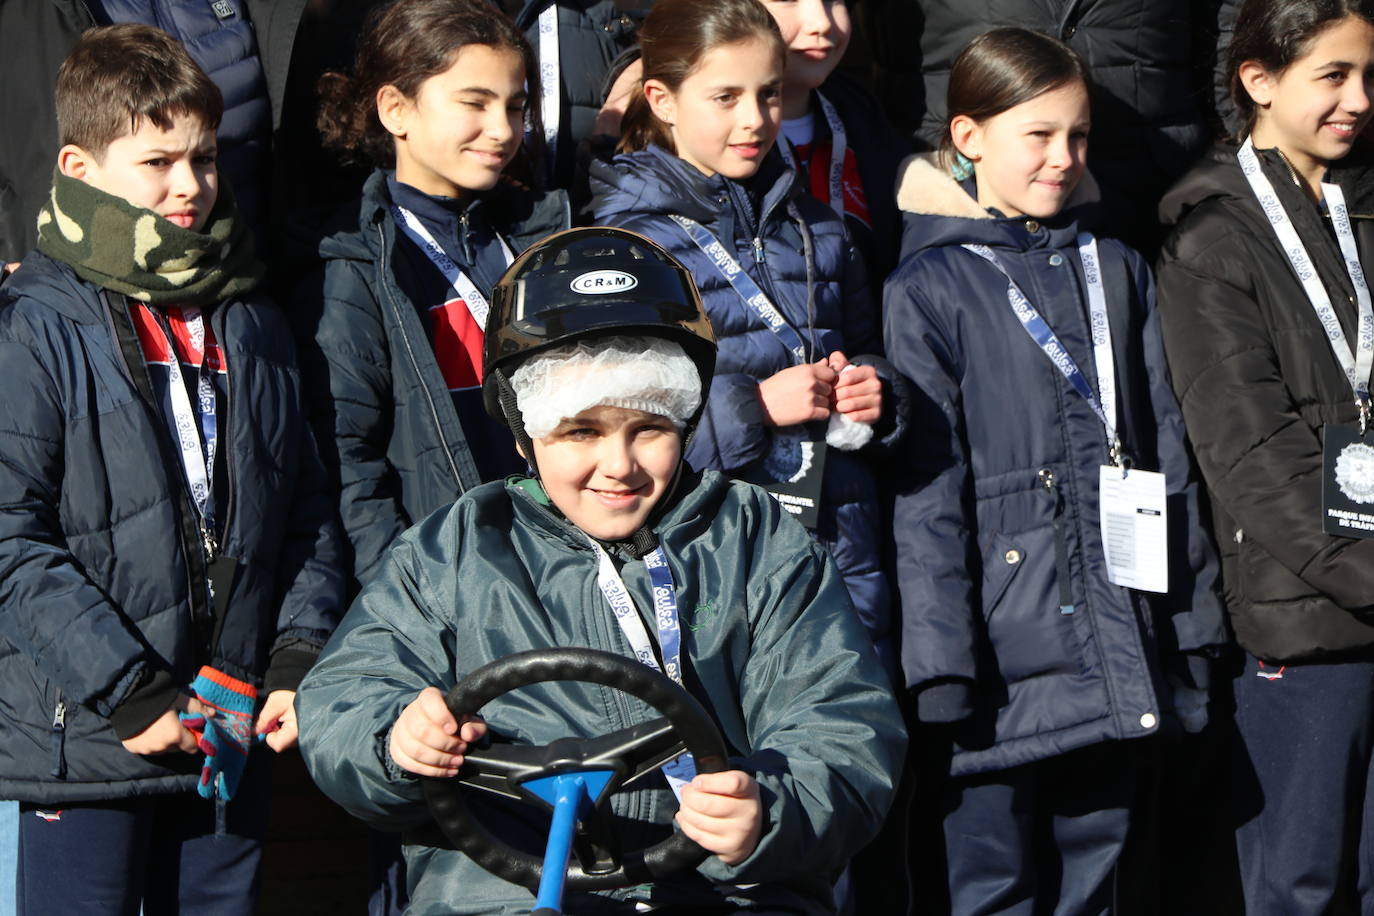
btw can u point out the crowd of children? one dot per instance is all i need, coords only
(645, 335)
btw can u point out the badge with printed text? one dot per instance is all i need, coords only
(1347, 482)
(1135, 527)
(792, 472)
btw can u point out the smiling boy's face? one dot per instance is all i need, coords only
(607, 468)
(171, 172)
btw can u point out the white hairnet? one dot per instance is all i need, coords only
(639, 373)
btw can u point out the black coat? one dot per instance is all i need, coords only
(102, 577)
(1257, 381)
(1150, 100)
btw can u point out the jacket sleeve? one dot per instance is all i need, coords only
(388, 648)
(864, 347)
(311, 578)
(49, 610)
(1193, 605)
(828, 740)
(933, 524)
(346, 364)
(1260, 457)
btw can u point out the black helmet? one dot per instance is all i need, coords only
(593, 282)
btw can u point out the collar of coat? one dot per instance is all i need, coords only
(925, 186)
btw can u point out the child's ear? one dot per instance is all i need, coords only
(1258, 82)
(74, 162)
(393, 110)
(662, 101)
(967, 136)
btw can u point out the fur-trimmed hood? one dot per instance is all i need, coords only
(938, 211)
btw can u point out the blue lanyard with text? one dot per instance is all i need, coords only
(1039, 331)
(665, 611)
(839, 148)
(756, 299)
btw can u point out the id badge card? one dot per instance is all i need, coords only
(1347, 483)
(792, 473)
(680, 771)
(1135, 528)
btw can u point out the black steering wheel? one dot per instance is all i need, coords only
(631, 753)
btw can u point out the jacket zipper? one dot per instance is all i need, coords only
(1061, 543)
(415, 364)
(59, 738)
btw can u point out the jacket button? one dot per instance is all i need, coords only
(1056, 259)
(1032, 226)
(1148, 720)
(1013, 557)
(1069, 32)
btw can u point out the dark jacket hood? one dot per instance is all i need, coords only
(521, 215)
(654, 181)
(1218, 176)
(938, 211)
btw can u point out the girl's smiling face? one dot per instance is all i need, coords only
(463, 126)
(607, 468)
(1315, 108)
(1029, 158)
(725, 115)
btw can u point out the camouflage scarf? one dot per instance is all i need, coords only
(116, 245)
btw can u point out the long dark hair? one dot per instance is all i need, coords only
(1274, 33)
(1003, 68)
(403, 44)
(673, 39)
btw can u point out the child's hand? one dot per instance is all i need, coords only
(277, 721)
(799, 394)
(858, 391)
(166, 733)
(722, 812)
(427, 741)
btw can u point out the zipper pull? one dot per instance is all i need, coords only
(758, 250)
(211, 545)
(59, 716)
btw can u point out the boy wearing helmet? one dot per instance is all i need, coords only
(598, 353)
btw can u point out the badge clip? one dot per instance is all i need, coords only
(1362, 402)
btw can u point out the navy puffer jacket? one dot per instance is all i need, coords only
(383, 413)
(1005, 476)
(768, 227)
(102, 579)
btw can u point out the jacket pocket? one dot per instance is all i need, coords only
(1027, 633)
(1264, 579)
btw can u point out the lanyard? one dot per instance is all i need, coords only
(748, 290)
(467, 291)
(1104, 402)
(839, 148)
(549, 76)
(1356, 367)
(665, 611)
(198, 465)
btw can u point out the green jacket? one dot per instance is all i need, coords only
(771, 646)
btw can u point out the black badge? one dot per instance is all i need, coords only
(1347, 482)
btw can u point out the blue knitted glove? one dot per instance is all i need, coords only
(226, 736)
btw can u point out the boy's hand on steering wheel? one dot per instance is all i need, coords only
(427, 741)
(723, 814)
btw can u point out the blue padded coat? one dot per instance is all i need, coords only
(102, 578)
(984, 532)
(770, 225)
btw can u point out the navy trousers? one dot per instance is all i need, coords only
(1042, 838)
(167, 854)
(1303, 776)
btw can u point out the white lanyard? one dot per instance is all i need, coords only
(1104, 403)
(549, 76)
(839, 148)
(198, 465)
(1356, 367)
(467, 291)
(665, 611)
